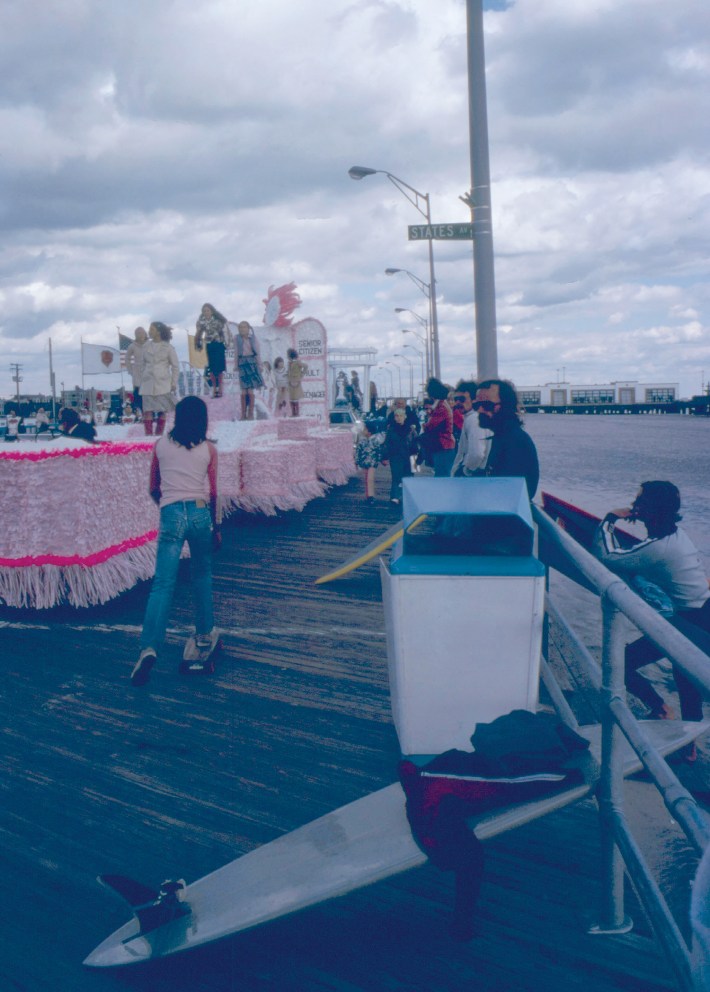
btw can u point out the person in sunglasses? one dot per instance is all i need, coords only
(470, 451)
(512, 451)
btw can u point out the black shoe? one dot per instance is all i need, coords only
(141, 670)
(370, 499)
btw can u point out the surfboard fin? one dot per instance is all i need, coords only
(151, 907)
(135, 893)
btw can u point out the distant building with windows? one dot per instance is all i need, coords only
(626, 393)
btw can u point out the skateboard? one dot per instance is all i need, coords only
(200, 662)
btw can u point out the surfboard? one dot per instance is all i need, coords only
(357, 845)
(361, 557)
(580, 524)
(666, 737)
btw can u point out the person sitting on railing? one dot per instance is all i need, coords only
(670, 560)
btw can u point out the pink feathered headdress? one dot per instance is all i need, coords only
(280, 304)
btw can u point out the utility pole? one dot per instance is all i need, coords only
(17, 379)
(52, 384)
(479, 199)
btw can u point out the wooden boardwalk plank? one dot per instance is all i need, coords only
(185, 775)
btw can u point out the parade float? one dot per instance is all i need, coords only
(84, 528)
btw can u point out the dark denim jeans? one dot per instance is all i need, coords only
(180, 522)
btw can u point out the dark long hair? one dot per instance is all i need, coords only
(215, 313)
(165, 332)
(658, 505)
(510, 408)
(436, 390)
(190, 427)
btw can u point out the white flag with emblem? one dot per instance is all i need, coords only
(96, 358)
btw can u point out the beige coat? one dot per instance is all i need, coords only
(134, 362)
(160, 369)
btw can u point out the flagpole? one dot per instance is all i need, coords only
(52, 383)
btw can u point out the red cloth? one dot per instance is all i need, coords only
(440, 428)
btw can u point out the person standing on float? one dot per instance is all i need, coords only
(248, 359)
(134, 366)
(296, 371)
(212, 331)
(160, 376)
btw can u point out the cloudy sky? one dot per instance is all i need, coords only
(155, 155)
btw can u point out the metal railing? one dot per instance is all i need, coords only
(619, 850)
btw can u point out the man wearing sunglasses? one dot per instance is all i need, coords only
(470, 451)
(512, 451)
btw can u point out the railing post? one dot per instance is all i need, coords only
(610, 792)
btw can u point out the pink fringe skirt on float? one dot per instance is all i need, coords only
(81, 527)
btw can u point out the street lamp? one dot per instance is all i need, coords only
(421, 202)
(399, 375)
(409, 362)
(389, 373)
(425, 340)
(422, 320)
(425, 288)
(421, 359)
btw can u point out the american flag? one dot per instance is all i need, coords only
(123, 342)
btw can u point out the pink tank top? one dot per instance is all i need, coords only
(183, 471)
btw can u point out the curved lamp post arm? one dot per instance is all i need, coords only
(424, 287)
(422, 320)
(426, 340)
(410, 363)
(413, 195)
(399, 374)
(421, 359)
(417, 199)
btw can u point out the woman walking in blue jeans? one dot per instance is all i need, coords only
(183, 482)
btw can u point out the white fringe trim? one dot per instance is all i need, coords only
(43, 586)
(336, 476)
(270, 504)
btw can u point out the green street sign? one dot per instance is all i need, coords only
(441, 232)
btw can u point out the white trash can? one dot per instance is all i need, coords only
(464, 605)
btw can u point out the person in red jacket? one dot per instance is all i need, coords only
(438, 431)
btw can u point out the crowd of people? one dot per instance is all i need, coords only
(473, 430)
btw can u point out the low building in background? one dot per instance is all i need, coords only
(614, 397)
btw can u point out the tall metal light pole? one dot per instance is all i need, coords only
(421, 359)
(479, 198)
(409, 362)
(399, 374)
(416, 199)
(427, 340)
(389, 373)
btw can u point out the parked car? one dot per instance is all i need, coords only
(343, 418)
